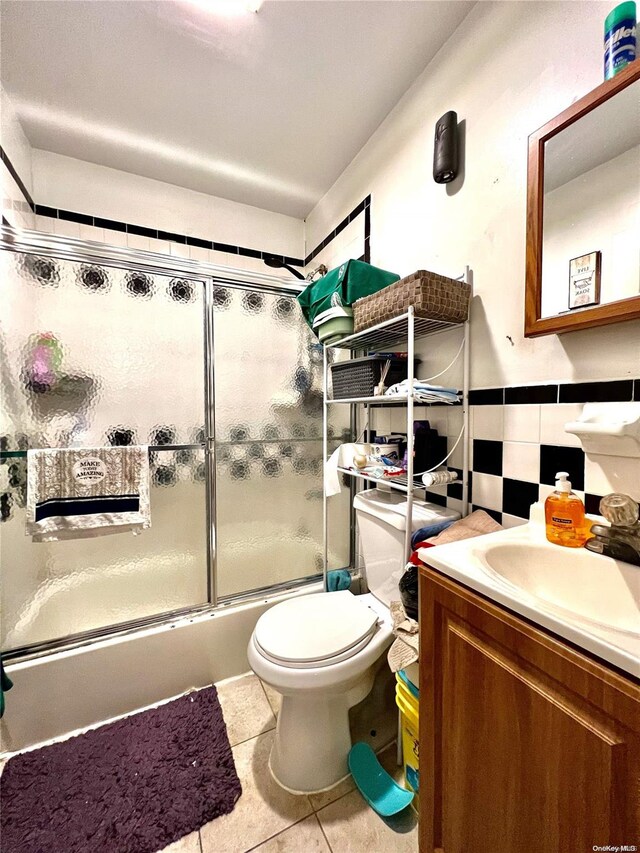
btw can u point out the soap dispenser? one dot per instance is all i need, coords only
(564, 515)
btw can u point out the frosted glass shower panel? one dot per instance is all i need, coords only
(94, 355)
(268, 425)
(56, 589)
(98, 355)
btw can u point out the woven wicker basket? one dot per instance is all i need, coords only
(433, 296)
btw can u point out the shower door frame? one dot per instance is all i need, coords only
(209, 275)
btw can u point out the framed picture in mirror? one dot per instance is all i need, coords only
(583, 192)
(584, 280)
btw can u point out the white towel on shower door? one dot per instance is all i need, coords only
(75, 493)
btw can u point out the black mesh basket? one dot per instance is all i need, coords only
(360, 376)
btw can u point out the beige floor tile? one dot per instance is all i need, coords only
(264, 808)
(188, 844)
(246, 710)
(274, 698)
(351, 826)
(318, 801)
(304, 837)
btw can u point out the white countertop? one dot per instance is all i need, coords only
(466, 561)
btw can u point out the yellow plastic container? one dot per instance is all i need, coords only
(408, 705)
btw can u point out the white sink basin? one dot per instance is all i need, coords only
(590, 600)
(586, 585)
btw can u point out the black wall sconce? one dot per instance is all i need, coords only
(445, 148)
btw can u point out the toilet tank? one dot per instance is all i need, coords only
(382, 518)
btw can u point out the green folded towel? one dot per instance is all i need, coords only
(343, 286)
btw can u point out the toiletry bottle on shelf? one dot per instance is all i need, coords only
(564, 515)
(619, 38)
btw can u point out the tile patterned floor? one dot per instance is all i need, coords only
(270, 820)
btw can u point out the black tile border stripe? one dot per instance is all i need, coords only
(597, 392)
(616, 390)
(156, 234)
(16, 177)
(486, 397)
(525, 394)
(364, 206)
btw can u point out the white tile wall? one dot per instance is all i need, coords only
(522, 423)
(138, 241)
(454, 421)
(197, 253)
(512, 520)
(487, 422)
(223, 258)
(552, 421)
(90, 232)
(66, 229)
(45, 224)
(487, 491)
(455, 504)
(179, 250)
(117, 238)
(161, 247)
(15, 208)
(521, 461)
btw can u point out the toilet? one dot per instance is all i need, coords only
(320, 651)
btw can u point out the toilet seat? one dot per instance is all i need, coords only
(315, 630)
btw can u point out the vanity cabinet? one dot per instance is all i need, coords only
(527, 745)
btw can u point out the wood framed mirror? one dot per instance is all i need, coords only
(583, 206)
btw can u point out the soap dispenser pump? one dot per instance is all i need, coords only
(564, 515)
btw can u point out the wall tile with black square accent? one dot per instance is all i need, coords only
(519, 443)
(487, 456)
(517, 497)
(569, 459)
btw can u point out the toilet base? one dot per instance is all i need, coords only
(313, 739)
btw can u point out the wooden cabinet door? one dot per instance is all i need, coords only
(526, 745)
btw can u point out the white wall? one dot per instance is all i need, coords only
(16, 146)
(70, 184)
(506, 71)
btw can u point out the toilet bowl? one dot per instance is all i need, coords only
(321, 651)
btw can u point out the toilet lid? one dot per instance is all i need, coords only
(315, 627)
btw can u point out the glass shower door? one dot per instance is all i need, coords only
(268, 444)
(127, 367)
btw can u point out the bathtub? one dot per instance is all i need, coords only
(66, 691)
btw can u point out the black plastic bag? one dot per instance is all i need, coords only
(408, 587)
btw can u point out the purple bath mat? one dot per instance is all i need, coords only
(132, 786)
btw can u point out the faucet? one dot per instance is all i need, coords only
(622, 539)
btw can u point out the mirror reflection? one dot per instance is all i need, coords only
(591, 208)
